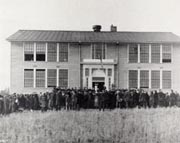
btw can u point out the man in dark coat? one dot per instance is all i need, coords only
(156, 99)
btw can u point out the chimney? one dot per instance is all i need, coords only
(113, 28)
(97, 28)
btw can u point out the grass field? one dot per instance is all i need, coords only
(118, 126)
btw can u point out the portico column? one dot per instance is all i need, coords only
(90, 78)
(112, 78)
(138, 78)
(106, 79)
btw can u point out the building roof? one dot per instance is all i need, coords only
(91, 36)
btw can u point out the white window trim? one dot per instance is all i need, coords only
(68, 53)
(57, 77)
(57, 58)
(161, 80)
(105, 48)
(172, 49)
(149, 53)
(46, 52)
(46, 78)
(150, 79)
(127, 53)
(172, 86)
(138, 85)
(91, 56)
(34, 77)
(138, 53)
(24, 53)
(34, 51)
(161, 54)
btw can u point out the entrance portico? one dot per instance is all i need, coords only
(98, 73)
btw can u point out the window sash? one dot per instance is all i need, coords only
(155, 79)
(144, 53)
(40, 48)
(133, 53)
(52, 52)
(166, 79)
(51, 77)
(29, 57)
(63, 78)
(98, 51)
(40, 51)
(166, 53)
(29, 47)
(40, 78)
(155, 53)
(28, 78)
(133, 78)
(144, 79)
(28, 51)
(63, 52)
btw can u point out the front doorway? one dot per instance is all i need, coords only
(99, 85)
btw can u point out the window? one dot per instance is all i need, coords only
(144, 79)
(40, 51)
(28, 78)
(40, 78)
(133, 53)
(166, 53)
(63, 52)
(51, 78)
(86, 72)
(144, 53)
(166, 79)
(63, 78)
(29, 51)
(155, 79)
(52, 52)
(98, 51)
(155, 53)
(109, 72)
(133, 78)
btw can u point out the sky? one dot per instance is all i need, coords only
(127, 15)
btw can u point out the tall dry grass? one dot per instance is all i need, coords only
(117, 126)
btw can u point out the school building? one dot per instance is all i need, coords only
(43, 59)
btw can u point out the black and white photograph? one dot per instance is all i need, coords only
(89, 71)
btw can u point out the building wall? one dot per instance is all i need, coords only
(123, 67)
(18, 65)
(176, 68)
(76, 55)
(16, 76)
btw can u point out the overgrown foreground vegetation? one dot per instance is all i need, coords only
(91, 126)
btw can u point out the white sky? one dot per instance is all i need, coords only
(127, 15)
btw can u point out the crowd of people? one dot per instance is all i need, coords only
(77, 99)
